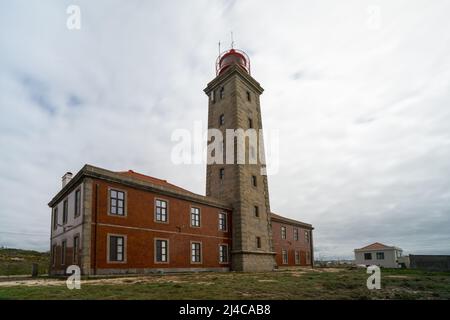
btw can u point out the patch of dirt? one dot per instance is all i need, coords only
(267, 280)
(398, 277)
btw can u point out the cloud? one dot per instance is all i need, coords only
(362, 112)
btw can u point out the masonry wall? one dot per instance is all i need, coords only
(66, 232)
(140, 230)
(302, 246)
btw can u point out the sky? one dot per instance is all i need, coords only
(359, 92)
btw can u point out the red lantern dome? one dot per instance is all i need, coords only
(233, 56)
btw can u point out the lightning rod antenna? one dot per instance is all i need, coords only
(232, 40)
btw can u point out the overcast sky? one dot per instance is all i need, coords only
(359, 91)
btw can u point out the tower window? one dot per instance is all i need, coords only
(221, 173)
(249, 97)
(222, 120)
(256, 211)
(212, 96)
(258, 242)
(250, 123)
(254, 182)
(221, 92)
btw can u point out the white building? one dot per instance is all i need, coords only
(378, 254)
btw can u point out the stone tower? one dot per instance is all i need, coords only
(234, 104)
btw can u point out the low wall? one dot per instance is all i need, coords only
(430, 262)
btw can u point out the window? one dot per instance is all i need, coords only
(283, 232)
(77, 202)
(117, 202)
(256, 211)
(213, 96)
(221, 173)
(258, 242)
(196, 252)
(223, 253)
(161, 250)
(307, 236)
(116, 248)
(76, 247)
(195, 217)
(367, 256)
(223, 221)
(54, 254)
(160, 210)
(55, 218)
(249, 97)
(295, 234)
(250, 123)
(308, 258)
(284, 255)
(63, 252)
(222, 120)
(221, 92)
(297, 257)
(65, 211)
(254, 182)
(380, 255)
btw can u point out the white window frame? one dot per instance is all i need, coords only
(155, 213)
(167, 251)
(108, 249)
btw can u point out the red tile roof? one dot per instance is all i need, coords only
(159, 182)
(376, 246)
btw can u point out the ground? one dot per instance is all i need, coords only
(302, 283)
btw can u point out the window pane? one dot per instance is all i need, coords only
(120, 195)
(113, 194)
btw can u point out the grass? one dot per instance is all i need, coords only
(19, 262)
(294, 284)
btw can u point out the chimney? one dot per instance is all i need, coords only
(66, 178)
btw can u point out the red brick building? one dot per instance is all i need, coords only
(125, 222)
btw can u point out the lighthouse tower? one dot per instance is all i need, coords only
(234, 105)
